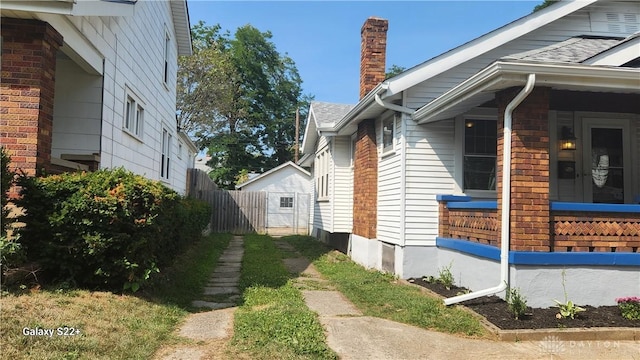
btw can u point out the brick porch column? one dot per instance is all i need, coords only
(365, 181)
(529, 169)
(29, 50)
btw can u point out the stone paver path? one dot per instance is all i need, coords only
(210, 330)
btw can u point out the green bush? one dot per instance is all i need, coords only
(107, 229)
(10, 247)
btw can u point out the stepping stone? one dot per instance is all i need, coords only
(208, 325)
(185, 354)
(221, 290)
(226, 269)
(212, 305)
(222, 283)
(329, 303)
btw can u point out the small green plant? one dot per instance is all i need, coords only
(445, 277)
(567, 308)
(629, 307)
(516, 302)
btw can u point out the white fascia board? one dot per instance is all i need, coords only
(501, 75)
(618, 55)
(482, 45)
(188, 141)
(76, 45)
(363, 104)
(102, 8)
(181, 26)
(310, 133)
(72, 7)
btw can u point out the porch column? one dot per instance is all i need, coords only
(529, 169)
(365, 181)
(29, 50)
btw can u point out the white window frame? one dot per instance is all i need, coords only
(388, 148)
(167, 51)
(460, 123)
(354, 141)
(133, 119)
(180, 150)
(165, 157)
(322, 174)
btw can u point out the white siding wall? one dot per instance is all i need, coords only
(342, 185)
(287, 179)
(77, 110)
(429, 172)
(133, 50)
(390, 185)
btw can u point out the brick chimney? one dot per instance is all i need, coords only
(373, 50)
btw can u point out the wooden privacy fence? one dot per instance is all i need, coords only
(237, 212)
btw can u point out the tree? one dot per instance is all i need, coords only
(394, 70)
(237, 96)
(544, 5)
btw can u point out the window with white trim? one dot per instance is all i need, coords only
(388, 134)
(133, 116)
(286, 202)
(165, 160)
(322, 174)
(167, 44)
(480, 149)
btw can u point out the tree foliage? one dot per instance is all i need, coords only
(394, 70)
(544, 4)
(237, 96)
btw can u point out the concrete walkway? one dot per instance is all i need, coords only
(353, 336)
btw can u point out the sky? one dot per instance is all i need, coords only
(323, 37)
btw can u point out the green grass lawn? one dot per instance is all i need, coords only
(378, 294)
(274, 322)
(111, 326)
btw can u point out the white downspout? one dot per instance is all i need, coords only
(506, 200)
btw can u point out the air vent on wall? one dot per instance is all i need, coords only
(615, 23)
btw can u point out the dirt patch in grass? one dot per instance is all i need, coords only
(496, 311)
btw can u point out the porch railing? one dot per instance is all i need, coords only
(573, 227)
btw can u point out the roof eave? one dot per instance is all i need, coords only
(181, 25)
(501, 75)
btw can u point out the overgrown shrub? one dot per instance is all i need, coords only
(108, 229)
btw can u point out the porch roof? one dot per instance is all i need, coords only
(506, 73)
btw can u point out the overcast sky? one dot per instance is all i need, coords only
(323, 37)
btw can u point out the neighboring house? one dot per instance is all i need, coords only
(332, 173)
(289, 197)
(91, 84)
(201, 163)
(562, 86)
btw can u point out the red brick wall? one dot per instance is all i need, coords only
(530, 227)
(373, 49)
(599, 232)
(26, 92)
(365, 181)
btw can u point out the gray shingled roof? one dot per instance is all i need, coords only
(328, 113)
(573, 50)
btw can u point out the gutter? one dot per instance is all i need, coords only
(506, 199)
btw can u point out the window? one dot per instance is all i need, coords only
(388, 134)
(134, 116)
(354, 140)
(322, 174)
(165, 160)
(167, 43)
(480, 147)
(286, 202)
(179, 150)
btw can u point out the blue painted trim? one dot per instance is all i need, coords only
(574, 258)
(588, 207)
(491, 205)
(448, 198)
(481, 250)
(542, 258)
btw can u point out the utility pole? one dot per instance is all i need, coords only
(295, 156)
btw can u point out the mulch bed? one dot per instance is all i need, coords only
(495, 310)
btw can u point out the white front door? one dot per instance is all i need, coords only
(606, 161)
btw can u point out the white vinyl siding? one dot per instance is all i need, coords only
(429, 172)
(390, 186)
(342, 185)
(322, 215)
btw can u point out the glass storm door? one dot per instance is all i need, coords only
(607, 175)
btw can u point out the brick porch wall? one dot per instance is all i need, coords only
(530, 229)
(27, 91)
(593, 232)
(365, 181)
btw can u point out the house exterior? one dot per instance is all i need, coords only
(332, 174)
(554, 97)
(92, 84)
(289, 193)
